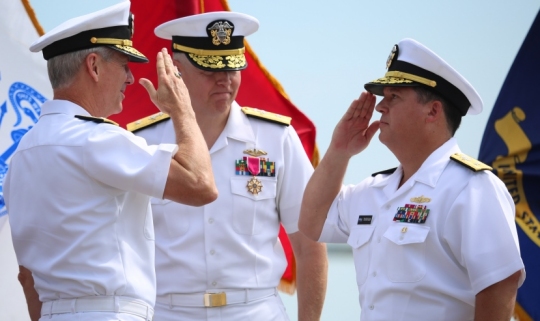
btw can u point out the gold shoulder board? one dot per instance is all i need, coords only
(265, 115)
(147, 121)
(98, 120)
(470, 162)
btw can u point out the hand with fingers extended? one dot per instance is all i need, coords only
(171, 93)
(354, 132)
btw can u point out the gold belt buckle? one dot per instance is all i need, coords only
(215, 299)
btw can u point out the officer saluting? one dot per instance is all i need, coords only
(223, 261)
(435, 238)
(78, 188)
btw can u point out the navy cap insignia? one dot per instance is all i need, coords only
(220, 31)
(392, 56)
(131, 25)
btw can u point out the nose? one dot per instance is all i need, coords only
(223, 77)
(130, 79)
(380, 107)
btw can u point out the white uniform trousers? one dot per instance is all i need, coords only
(270, 308)
(91, 316)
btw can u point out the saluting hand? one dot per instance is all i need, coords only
(354, 132)
(171, 92)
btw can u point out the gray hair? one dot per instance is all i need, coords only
(179, 56)
(63, 68)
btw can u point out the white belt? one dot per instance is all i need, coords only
(118, 304)
(215, 298)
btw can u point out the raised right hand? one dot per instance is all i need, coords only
(354, 132)
(171, 92)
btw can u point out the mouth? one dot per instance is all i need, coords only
(222, 94)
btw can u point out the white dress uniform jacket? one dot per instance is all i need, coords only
(233, 242)
(78, 196)
(426, 271)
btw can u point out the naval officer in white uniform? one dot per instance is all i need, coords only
(78, 188)
(434, 239)
(224, 260)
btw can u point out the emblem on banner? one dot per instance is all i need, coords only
(26, 104)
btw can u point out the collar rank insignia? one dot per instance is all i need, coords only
(420, 199)
(268, 116)
(470, 162)
(98, 120)
(411, 213)
(147, 121)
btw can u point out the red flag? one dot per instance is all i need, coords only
(258, 88)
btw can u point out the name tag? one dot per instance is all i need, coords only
(364, 219)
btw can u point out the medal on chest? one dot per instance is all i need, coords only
(413, 213)
(254, 185)
(254, 165)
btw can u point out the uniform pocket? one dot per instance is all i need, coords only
(406, 252)
(249, 209)
(359, 241)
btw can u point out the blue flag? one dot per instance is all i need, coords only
(511, 145)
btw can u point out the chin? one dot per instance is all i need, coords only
(382, 138)
(117, 110)
(223, 105)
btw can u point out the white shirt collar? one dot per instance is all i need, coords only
(429, 172)
(58, 106)
(238, 128)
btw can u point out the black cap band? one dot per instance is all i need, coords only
(205, 43)
(443, 87)
(82, 40)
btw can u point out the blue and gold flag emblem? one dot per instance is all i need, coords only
(511, 145)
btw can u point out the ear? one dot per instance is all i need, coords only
(91, 65)
(179, 65)
(435, 111)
